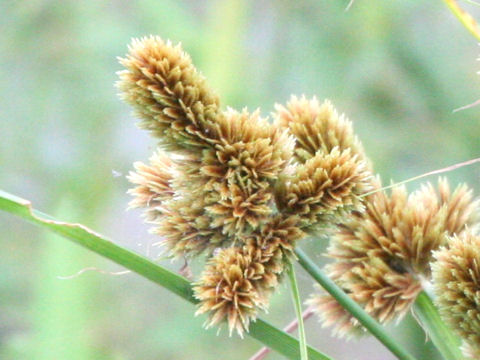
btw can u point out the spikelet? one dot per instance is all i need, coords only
(168, 94)
(153, 184)
(281, 232)
(236, 284)
(380, 253)
(325, 187)
(317, 128)
(250, 153)
(185, 229)
(456, 277)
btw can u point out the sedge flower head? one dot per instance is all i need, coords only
(381, 254)
(232, 185)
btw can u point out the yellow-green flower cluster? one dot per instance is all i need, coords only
(230, 183)
(381, 254)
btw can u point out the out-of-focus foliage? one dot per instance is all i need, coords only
(397, 69)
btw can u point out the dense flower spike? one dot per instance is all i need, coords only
(280, 232)
(168, 94)
(325, 185)
(235, 285)
(317, 127)
(381, 252)
(456, 276)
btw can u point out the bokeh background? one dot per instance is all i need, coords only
(396, 68)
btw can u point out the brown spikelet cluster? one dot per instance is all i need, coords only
(237, 283)
(381, 253)
(325, 186)
(317, 128)
(168, 94)
(331, 169)
(456, 280)
(233, 185)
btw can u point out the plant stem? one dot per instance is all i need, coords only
(443, 339)
(291, 327)
(298, 310)
(465, 18)
(352, 307)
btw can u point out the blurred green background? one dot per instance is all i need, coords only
(396, 68)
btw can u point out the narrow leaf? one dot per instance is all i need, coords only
(262, 331)
(465, 18)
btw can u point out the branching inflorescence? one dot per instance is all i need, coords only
(239, 187)
(243, 190)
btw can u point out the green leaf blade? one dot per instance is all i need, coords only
(262, 331)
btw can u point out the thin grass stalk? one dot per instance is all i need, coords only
(290, 328)
(443, 339)
(351, 306)
(298, 311)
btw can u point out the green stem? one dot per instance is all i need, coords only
(298, 310)
(352, 307)
(443, 339)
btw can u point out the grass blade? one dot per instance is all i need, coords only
(262, 331)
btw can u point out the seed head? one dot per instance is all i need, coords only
(317, 127)
(235, 285)
(237, 176)
(381, 253)
(168, 94)
(325, 187)
(153, 184)
(186, 229)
